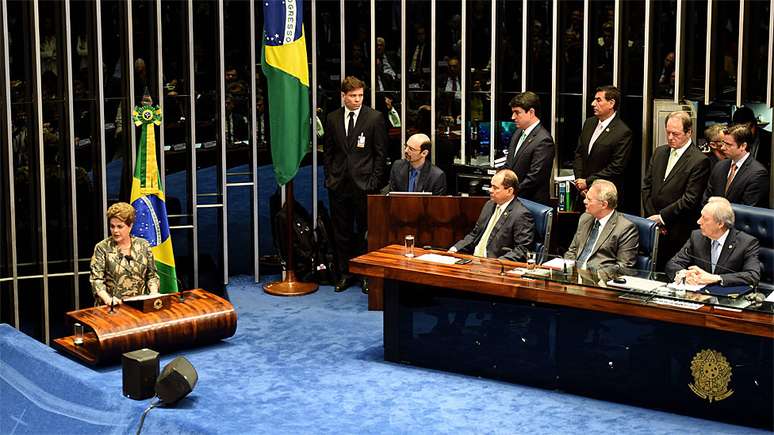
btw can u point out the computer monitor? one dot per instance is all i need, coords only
(506, 132)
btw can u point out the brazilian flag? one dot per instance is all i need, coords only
(148, 198)
(283, 60)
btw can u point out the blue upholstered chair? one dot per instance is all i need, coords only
(544, 219)
(759, 223)
(648, 233)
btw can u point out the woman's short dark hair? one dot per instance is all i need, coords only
(121, 211)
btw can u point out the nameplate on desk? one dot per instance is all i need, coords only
(403, 193)
(149, 303)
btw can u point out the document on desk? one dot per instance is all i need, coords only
(558, 263)
(686, 287)
(637, 284)
(440, 259)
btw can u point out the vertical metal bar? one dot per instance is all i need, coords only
(68, 69)
(585, 73)
(126, 116)
(403, 72)
(645, 151)
(770, 82)
(708, 82)
(373, 54)
(192, 147)
(493, 82)
(679, 64)
(433, 95)
(463, 72)
(342, 39)
(313, 89)
(616, 43)
(9, 159)
(222, 127)
(741, 60)
(554, 64)
(160, 86)
(41, 167)
(254, 142)
(524, 48)
(99, 93)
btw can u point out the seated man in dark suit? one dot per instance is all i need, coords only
(505, 229)
(605, 240)
(717, 253)
(531, 150)
(740, 178)
(414, 172)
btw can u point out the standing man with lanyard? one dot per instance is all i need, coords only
(354, 158)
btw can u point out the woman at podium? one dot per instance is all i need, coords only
(122, 266)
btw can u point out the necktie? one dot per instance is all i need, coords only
(671, 163)
(394, 118)
(521, 141)
(730, 176)
(600, 128)
(586, 253)
(480, 250)
(412, 179)
(351, 124)
(715, 254)
(454, 85)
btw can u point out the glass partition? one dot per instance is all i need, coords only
(418, 45)
(508, 71)
(538, 58)
(448, 82)
(570, 85)
(88, 164)
(662, 63)
(388, 78)
(695, 50)
(757, 50)
(726, 53)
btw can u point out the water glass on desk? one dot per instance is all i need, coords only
(531, 260)
(408, 246)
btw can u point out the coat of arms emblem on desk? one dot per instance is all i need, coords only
(711, 375)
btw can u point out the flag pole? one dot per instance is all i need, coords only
(290, 286)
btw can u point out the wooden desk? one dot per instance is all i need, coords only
(438, 221)
(586, 340)
(193, 318)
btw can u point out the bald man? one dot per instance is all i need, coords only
(505, 229)
(414, 172)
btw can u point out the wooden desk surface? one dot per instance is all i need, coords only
(483, 276)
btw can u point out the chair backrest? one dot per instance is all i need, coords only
(759, 223)
(648, 233)
(544, 219)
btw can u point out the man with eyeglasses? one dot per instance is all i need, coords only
(605, 239)
(505, 229)
(414, 172)
(740, 178)
(714, 136)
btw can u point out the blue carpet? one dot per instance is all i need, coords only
(312, 364)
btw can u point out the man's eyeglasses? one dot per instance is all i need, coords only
(416, 150)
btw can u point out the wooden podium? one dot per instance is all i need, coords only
(192, 318)
(437, 221)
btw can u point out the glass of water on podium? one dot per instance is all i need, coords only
(408, 246)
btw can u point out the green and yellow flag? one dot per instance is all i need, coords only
(283, 60)
(148, 198)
